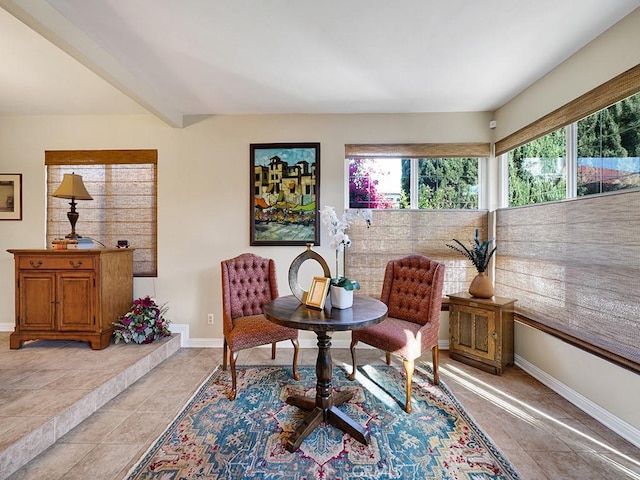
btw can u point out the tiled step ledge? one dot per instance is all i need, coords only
(37, 441)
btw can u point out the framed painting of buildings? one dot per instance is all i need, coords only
(10, 196)
(285, 193)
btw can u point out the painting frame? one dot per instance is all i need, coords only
(284, 193)
(318, 291)
(10, 196)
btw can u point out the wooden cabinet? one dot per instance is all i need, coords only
(481, 331)
(71, 294)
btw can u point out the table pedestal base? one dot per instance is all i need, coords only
(324, 408)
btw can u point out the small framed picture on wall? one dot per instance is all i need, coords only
(10, 196)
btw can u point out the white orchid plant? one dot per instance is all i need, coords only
(339, 239)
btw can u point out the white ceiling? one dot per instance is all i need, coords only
(203, 57)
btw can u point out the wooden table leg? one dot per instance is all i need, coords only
(324, 407)
(307, 426)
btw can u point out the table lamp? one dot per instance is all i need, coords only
(73, 188)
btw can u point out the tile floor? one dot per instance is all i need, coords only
(543, 435)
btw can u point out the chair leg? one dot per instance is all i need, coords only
(352, 376)
(387, 357)
(409, 366)
(296, 349)
(224, 354)
(436, 362)
(232, 358)
(273, 351)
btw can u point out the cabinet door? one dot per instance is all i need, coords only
(473, 331)
(37, 301)
(75, 308)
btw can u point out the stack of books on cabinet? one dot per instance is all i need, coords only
(81, 243)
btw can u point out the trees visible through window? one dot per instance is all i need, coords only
(447, 183)
(607, 157)
(537, 170)
(422, 183)
(609, 148)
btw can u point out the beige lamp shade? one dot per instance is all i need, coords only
(72, 187)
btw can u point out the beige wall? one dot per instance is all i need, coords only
(203, 188)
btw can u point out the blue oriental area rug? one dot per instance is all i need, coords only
(214, 438)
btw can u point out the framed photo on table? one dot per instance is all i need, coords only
(285, 193)
(318, 292)
(10, 196)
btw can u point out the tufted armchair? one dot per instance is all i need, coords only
(412, 291)
(248, 283)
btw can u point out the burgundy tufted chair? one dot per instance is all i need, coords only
(412, 291)
(248, 283)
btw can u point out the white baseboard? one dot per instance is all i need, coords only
(188, 342)
(626, 431)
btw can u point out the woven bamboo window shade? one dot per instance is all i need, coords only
(396, 233)
(418, 150)
(123, 184)
(616, 89)
(573, 266)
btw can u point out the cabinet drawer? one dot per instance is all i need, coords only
(56, 262)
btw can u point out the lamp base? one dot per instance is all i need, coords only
(72, 215)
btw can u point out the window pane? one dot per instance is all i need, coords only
(609, 148)
(443, 183)
(375, 183)
(537, 170)
(448, 183)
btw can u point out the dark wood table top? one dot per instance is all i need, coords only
(288, 311)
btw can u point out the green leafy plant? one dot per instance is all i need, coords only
(144, 323)
(479, 253)
(345, 283)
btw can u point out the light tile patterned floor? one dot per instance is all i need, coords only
(543, 435)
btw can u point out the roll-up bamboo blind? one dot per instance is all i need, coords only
(418, 150)
(396, 233)
(616, 89)
(573, 266)
(123, 184)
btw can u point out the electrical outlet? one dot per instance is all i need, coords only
(210, 319)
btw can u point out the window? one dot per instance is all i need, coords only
(124, 206)
(609, 148)
(375, 183)
(414, 176)
(537, 170)
(447, 183)
(602, 132)
(442, 183)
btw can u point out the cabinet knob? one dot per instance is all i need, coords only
(37, 264)
(494, 335)
(76, 265)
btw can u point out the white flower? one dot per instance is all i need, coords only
(338, 238)
(337, 227)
